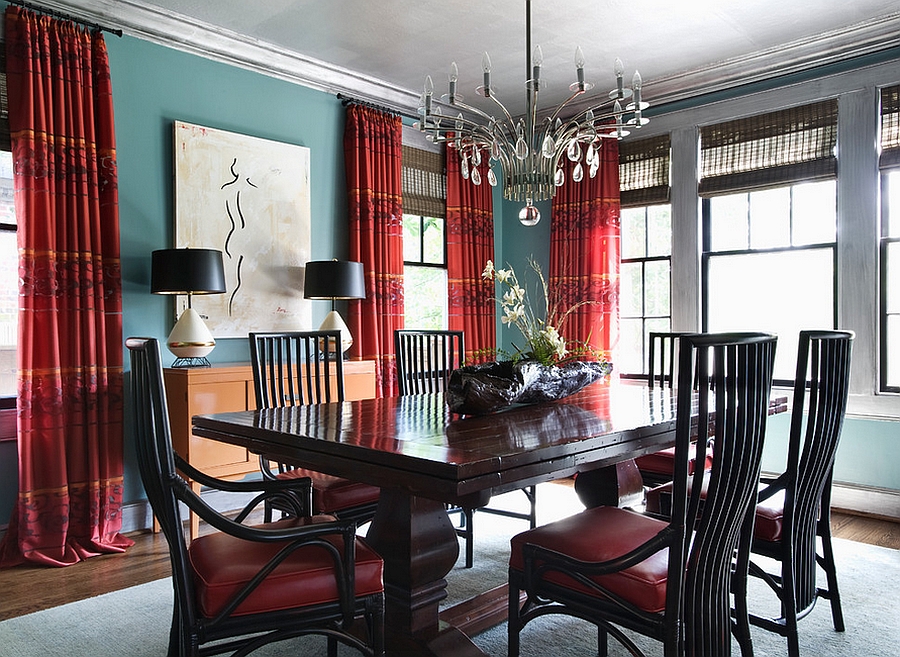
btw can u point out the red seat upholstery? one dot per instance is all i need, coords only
(222, 564)
(601, 534)
(663, 461)
(332, 494)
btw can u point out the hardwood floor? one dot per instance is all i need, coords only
(27, 589)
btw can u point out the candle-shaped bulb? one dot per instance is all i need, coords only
(486, 67)
(454, 76)
(429, 91)
(636, 81)
(620, 81)
(579, 64)
(537, 58)
(636, 84)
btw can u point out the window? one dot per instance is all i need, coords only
(769, 264)
(646, 231)
(770, 225)
(644, 282)
(424, 240)
(890, 239)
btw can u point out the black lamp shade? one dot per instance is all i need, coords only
(334, 279)
(187, 271)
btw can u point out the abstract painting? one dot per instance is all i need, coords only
(249, 198)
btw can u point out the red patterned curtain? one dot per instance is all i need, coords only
(584, 252)
(470, 244)
(373, 156)
(70, 319)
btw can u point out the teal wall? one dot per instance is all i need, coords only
(152, 87)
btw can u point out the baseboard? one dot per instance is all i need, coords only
(883, 503)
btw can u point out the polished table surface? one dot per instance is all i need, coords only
(423, 456)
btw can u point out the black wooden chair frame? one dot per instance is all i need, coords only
(425, 359)
(821, 388)
(295, 367)
(190, 632)
(701, 539)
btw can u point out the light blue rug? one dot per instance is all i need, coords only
(135, 621)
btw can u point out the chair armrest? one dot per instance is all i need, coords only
(295, 492)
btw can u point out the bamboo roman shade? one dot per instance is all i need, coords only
(644, 171)
(769, 150)
(890, 127)
(424, 183)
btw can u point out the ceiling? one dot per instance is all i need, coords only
(382, 51)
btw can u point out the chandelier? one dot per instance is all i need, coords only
(532, 151)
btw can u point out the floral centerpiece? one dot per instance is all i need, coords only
(547, 367)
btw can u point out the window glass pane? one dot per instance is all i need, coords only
(659, 230)
(412, 233)
(425, 297)
(630, 289)
(780, 293)
(657, 286)
(433, 245)
(630, 354)
(893, 204)
(729, 222)
(892, 291)
(814, 208)
(770, 218)
(634, 236)
(893, 355)
(9, 277)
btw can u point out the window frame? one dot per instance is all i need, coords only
(883, 315)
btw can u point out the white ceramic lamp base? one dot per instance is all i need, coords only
(190, 340)
(334, 322)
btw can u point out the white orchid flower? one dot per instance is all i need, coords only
(488, 272)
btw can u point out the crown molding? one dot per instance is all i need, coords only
(211, 42)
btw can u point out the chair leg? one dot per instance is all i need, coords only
(602, 642)
(531, 493)
(470, 537)
(827, 563)
(332, 646)
(513, 623)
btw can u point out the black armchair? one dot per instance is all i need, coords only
(246, 586)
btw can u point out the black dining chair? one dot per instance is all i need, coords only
(306, 367)
(245, 586)
(794, 510)
(667, 579)
(425, 359)
(657, 468)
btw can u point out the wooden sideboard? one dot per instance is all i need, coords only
(194, 391)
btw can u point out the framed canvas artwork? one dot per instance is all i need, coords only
(249, 198)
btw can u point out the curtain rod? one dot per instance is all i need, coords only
(346, 100)
(66, 17)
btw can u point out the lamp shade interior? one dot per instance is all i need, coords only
(187, 271)
(334, 279)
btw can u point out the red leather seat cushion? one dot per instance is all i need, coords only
(601, 534)
(222, 564)
(769, 512)
(663, 461)
(331, 494)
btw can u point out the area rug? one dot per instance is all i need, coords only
(135, 621)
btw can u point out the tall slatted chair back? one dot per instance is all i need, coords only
(801, 495)
(425, 359)
(667, 579)
(296, 367)
(662, 359)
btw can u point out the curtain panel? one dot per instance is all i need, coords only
(585, 251)
(373, 161)
(470, 244)
(70, 396)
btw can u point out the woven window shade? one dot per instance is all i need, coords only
(890, 127)
(769, 150)
(644, 171)
(424, 183)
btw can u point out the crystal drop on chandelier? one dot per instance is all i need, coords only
(476, 177)
(529, 215)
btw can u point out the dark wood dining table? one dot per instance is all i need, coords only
(424, 457)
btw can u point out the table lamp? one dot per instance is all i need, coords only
(335, 279)
(188, 271)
